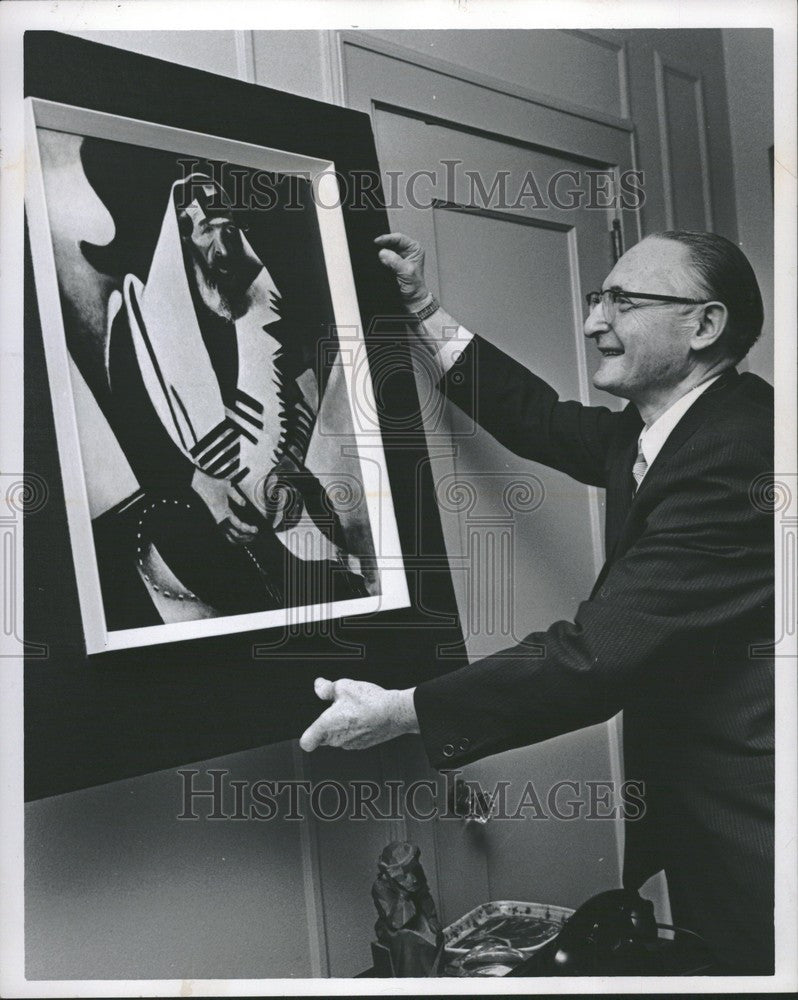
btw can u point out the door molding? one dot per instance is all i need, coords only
(620, 50)
(312, 885)
(379, 46)
(245, 55)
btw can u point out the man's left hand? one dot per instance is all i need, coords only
(361, 715)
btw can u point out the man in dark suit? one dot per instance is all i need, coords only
(676, 630)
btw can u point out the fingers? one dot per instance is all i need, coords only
(238, 532)
(405, 259)
(324, 689)
(398, 241)
(315, 735)
(234, 538)
(327, 729)
(233, 505)
(243, 528)
(319, 732)
(394, 261)
(361, 715)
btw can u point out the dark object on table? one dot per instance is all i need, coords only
(607, 934)
(407, 926)
(614, 933)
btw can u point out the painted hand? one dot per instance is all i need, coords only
(236, 530)
(361, 715)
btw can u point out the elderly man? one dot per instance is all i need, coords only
(675, 632)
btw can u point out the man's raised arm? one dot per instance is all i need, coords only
(516, 407)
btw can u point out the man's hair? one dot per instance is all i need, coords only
(725, 275)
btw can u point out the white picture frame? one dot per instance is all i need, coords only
(392, 591)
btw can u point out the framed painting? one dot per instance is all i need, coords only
(220, 403)
(204, 348)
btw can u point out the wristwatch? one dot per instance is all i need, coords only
(432, 307)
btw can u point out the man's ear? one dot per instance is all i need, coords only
(712, 322)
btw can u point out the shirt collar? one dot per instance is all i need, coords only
(654, 436)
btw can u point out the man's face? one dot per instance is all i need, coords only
(215, 241)
(646, 348)
(217, 249)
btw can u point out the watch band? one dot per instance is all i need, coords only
(428, 310)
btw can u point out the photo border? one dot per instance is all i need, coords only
(70, 17)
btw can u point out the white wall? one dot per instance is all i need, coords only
(748, 59)
(117, 888)
(215, 51)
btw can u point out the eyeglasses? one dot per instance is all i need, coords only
(614, 300)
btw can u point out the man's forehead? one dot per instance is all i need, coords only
(197, 213)
(653, 265)
(201, 197)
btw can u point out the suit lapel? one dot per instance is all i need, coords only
(620, 523)
(686, 427)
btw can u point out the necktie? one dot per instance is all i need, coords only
(639, 468)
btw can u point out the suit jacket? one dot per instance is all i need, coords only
(675, 633)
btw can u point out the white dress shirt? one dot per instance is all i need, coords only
(653, 436)
(450, 350)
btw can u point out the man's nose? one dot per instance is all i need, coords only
(596, 321)
(219, 245)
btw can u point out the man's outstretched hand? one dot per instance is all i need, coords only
(361, 715)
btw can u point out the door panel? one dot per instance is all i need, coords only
(678, 103)
(512, 282)
(517, 276)
(683, 142)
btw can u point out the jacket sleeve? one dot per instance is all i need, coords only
(525, 414)
(702, 566)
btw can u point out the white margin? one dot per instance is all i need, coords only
(75, 15)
